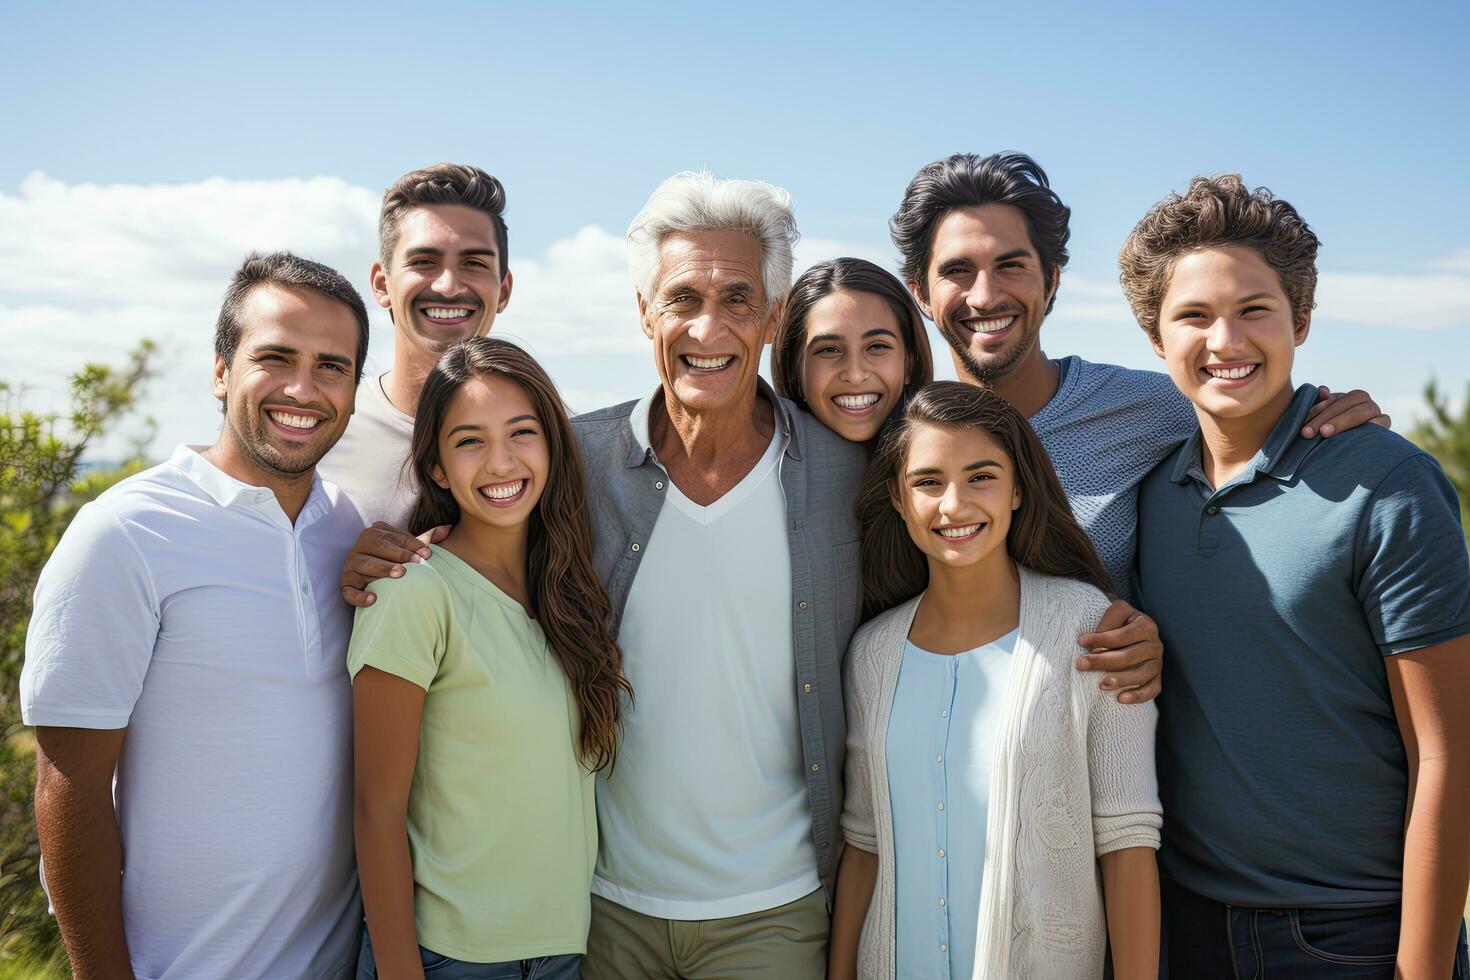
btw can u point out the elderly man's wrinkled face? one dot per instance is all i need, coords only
(708, 319)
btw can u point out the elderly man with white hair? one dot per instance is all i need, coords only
(726, 538)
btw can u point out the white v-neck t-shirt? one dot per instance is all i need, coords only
(370, 461)
(706, 814)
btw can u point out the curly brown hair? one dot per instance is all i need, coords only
(1214, 212)
(566, 597)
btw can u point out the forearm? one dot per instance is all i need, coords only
(1436, 867)
(82, 851)
(856, 875)
(385, 874)
(1131, 898)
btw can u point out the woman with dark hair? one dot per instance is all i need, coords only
(1001, 810)
(486, 690)
(851, 347)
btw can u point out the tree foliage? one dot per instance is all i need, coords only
(43, 482)
(1446, 436)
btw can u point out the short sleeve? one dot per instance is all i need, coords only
(93, 624)
(405, 631)
(1413, 571)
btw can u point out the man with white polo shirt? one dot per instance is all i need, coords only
(186, 672)
(441, 274)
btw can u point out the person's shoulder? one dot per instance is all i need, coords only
(609, 417)
(1366, 452)
(1129, 386)
(422, 584)
(1066, 604)
(886, 628)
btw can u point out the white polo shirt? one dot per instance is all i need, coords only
(184, 606)
(706, 814)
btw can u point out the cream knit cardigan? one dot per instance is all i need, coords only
(1072, 779)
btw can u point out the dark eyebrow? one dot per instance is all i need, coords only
(431, 250)
(1015, 253)
(335, 359)
(1256, 296)
(875, 332)
(466, 425)
(276, 349)
(935, 471)
(522, 418)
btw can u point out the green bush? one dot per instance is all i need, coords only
(43, 482)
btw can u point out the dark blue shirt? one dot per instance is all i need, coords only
(1281, 768)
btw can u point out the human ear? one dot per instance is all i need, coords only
(917, 291)
(378, 279)
(437, 473)
(505, 284)
(221, 377)
(643, 317)
(1303, 327)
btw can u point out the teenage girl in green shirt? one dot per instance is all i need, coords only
(486, 691)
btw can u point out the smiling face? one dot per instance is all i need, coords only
(985, 290)
(493, 454)
(444, 282)
(854, 365)
(708, 319)
(289, 389)
(1228, 335)
(956, 491)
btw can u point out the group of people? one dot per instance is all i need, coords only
(854, 674)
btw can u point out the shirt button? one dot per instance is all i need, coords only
(939, 758)
(635, 545)
(658, 485)
(1212, 510)
(944, 714)
(941, 902)
(941, 852)
(943, 948)
(807, 688)
(941, 806)
(816, 768)
(801, 604)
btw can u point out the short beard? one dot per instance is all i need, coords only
(987, 376)
(254, 446)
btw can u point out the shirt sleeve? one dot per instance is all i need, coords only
(1413, 570)
(1120, 763)
(405, 631)
(859, 827)
(93, 624)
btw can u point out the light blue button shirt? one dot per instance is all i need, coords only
(941, 742)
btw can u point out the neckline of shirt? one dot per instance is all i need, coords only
(737, 494)
(472, 576)
(1003, 645)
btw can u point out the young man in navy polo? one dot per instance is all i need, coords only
(1314, 597)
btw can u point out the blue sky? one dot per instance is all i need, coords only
(1354, 113)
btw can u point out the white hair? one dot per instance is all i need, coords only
(697, 200)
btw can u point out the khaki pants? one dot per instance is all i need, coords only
(785, 943)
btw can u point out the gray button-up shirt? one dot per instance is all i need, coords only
(820, 474)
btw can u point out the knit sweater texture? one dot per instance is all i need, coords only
(1072, 780)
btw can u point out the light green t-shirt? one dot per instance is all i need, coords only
(501, 818)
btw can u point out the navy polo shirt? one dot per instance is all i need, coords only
(1281, 768)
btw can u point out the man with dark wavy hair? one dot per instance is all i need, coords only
(442, 275)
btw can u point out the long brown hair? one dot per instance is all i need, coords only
(860, 276)
(566, 596)
(1044, 536)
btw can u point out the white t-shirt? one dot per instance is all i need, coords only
(706, 814)
(184, 606)
(368, 462)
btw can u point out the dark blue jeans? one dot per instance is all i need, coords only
(437, 967)
(1204, 940)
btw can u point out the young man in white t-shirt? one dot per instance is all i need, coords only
(442, 275)
(186, 672)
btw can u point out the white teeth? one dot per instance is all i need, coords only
(445, 313)
(856, 401)
(991, 326)
(708, 362)
(505, 491)
(1231, 374)
(959, 532)
(295, 421)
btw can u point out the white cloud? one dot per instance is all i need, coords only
(1430, 301)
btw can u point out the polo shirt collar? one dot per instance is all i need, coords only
(642, 445)
(227, 491)
(1279, 458)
